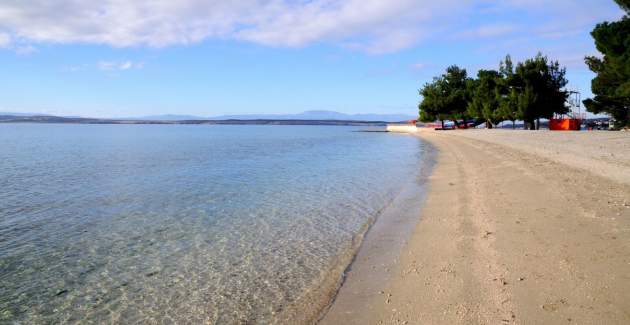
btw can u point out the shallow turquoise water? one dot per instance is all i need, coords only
(168, 223)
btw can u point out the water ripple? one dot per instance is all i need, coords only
(183, 224)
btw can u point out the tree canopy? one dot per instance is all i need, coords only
(532, 90)
(445, 97)
(624, 4)
(611, 86)
(508, 105)
(485, 96)
(540, 84)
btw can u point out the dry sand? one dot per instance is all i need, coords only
(518, 228)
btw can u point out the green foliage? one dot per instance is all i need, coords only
(431, 107)
(486, 96)
(509, 96)
(611, 86)
(624, 4)
(532, 90)
(540, 84)
(526, 103)
(509, 106)
(445, 97)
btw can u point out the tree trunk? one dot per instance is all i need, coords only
(442, 124)
(538, 123)
(488, 125)
(513, 124)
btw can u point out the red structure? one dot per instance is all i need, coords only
(565, 124)
(571, 121)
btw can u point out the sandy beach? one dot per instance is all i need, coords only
(518, 228)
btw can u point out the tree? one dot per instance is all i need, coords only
(445, 98)
(485, 97)
(611, 86)
(526, 107)
(432, 105)
(509, 107)
(624, 4)
(456, 94)
(540, 84)
(509, 97)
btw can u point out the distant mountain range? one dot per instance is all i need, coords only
(324, 115)
(34, 114)
(23, 114)
(308, 115)
(165, 117)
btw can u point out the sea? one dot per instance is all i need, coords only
(200, 224)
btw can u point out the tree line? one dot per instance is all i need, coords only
(534, 88)
(529, 91)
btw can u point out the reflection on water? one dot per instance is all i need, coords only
(220, 224)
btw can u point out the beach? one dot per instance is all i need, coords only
(517, 227)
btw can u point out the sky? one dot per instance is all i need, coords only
(120, 58)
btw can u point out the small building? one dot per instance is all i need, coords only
(403, 127)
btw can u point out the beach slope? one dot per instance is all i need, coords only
(518, 228)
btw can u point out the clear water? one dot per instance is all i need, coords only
(196, 224)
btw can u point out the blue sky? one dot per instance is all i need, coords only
(132, 58)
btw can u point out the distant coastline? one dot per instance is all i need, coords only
(86, 120)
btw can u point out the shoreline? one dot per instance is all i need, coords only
(389, 232)
(398, 216)
(508, 236)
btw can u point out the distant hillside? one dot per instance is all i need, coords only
(21, 114)
(320, 115)
(166, 117)
(33, 114)
(305, 116)
(82, 120)
(308, 115)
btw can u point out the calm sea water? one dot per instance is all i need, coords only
(173, 224)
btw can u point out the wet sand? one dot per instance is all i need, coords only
(518, 228)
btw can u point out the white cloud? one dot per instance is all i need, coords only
(375, 26)
(76, 68)
(418, 66)
(5, 40)
(119, 65)
(25, 49)
(21, 48)
(490, 30)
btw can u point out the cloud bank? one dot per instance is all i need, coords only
(375, 26)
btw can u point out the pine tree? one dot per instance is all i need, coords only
(445, 98)
(540, 84)
(611, 86)
(485, 97)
